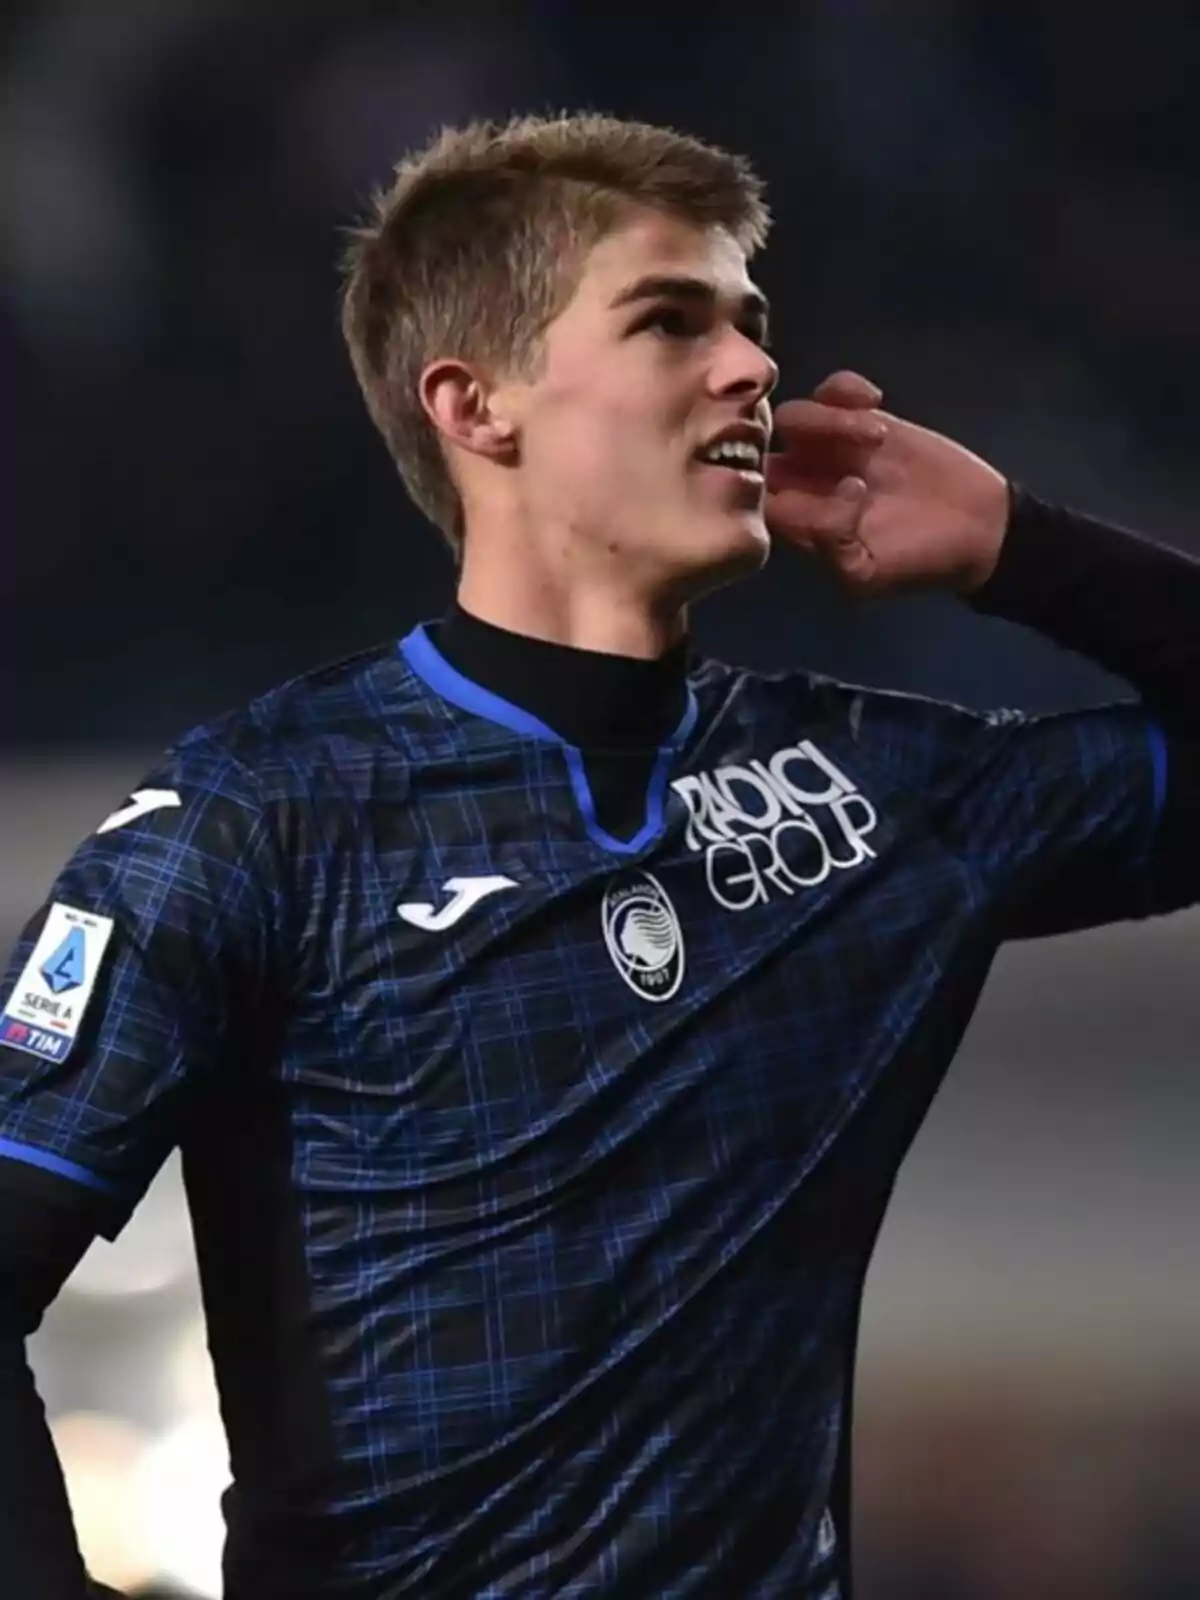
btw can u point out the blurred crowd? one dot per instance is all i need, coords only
(1008, 240)
(989, 208)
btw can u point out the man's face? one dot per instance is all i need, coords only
(659, 351)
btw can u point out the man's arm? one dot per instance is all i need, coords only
(117, 1011)
(1101, 806)
(910, 509)
(1130, 606)
(41, 1242)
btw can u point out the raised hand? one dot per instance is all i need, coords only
(886, 504)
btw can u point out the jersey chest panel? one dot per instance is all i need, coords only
(510, 991)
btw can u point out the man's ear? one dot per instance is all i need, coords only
(467, 410)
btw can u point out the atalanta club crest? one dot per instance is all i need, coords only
(642, 932)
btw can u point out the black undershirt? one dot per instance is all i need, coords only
(1129, 605)
(618, 710)
(1125, 603)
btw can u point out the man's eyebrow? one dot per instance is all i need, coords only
(659, 286)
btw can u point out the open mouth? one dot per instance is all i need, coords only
(740, 456)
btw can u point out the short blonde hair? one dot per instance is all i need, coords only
(478, 243)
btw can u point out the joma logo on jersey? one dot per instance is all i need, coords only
(776, 826)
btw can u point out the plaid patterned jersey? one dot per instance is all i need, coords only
(535, 1172)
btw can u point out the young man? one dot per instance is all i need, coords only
(544, 1017)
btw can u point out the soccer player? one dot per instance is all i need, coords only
(543, 1014)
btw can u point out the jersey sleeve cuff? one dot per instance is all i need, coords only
(30, 1170)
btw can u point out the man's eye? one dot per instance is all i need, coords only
(671, 322)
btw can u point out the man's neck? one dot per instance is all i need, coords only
(588, 616)
(593, 699)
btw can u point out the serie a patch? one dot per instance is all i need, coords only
(43, 1014)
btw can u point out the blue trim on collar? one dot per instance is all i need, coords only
(431, 666)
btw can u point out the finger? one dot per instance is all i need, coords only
(832, 535)
(849, 389)
(817, 520)
(788, 471)
(846, 552)
(799, 420)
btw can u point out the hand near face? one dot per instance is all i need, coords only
(887, 505)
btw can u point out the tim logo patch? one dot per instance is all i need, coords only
(643, 935)
(43, 1013)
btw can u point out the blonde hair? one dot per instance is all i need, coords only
(477, 245)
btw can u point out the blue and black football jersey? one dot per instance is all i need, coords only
(535, 1171)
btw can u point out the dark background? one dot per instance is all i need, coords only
(990, 209)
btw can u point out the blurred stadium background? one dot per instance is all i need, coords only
(992, 209)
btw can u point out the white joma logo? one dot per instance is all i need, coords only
(464, 893)
(141, 803)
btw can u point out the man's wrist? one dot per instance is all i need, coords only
(1122, 601)
(995, 521)
(1030, 555)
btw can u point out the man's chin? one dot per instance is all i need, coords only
(743, 548)
(750, 545)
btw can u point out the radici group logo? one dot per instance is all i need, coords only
(643, 935)
(774, 827)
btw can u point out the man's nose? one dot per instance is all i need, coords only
(743, 368)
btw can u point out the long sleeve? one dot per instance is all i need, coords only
(38, 1552)
(1129, 605)
(40, 1242)
(1132, 607)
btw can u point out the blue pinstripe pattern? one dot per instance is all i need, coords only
(581, 1271)
(1159, 759)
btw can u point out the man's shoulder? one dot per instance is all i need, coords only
(339, 716)
(872, 714)
(794, 689)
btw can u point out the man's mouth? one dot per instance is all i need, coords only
(741, 456)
